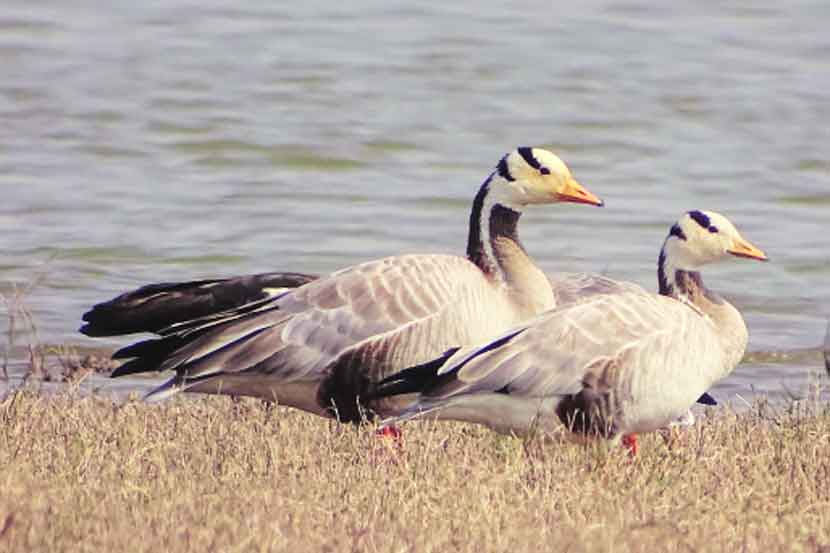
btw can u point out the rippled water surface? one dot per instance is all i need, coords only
(171, 140)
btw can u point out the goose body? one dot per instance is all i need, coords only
(612, 364)
(322, 346)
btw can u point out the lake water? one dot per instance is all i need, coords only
(163, 141)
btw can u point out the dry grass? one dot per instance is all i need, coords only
(21, 321)
(48, 363)
(211, 474)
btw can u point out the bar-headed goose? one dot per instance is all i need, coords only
(613, 364)
(323, 345)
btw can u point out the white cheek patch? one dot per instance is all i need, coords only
(680, 256)
(700, 248)
(508, 194)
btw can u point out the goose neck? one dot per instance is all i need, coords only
(493, 236)
(688, 287)
(682, 284)
(494, 246)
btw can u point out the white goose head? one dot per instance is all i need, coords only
(702, 237)
(523, 177)
(528, 176)
(698, 238)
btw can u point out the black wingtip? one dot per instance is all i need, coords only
(134, 366)
(92, 330)
(142, 348)
(412, 380)
(156, 307)
(89, 315)
(707, 399)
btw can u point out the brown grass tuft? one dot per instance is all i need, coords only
(213, 474)
(49, 363)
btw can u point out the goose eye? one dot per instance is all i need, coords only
(713, 229)
(544, 171)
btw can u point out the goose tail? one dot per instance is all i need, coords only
(412, 380)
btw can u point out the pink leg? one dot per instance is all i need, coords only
(629, 441)
(394, 433)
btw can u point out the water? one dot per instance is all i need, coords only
(143, 142)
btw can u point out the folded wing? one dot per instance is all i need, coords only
(631, 338)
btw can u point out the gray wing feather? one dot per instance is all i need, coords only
(559, 347)
(301, 332)
(570, 288)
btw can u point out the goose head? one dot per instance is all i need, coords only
(702, 237)
(529, 176)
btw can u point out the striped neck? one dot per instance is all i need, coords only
(683, 285)
(493, 230)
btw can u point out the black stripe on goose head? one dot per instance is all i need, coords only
(703, 220)
(504, 171)
(677, 232)
(530, 159)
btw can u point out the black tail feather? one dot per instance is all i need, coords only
(154, 354)
(135, 366)
(412, 380)
(154, 307)
(147, 355)
(148, 348)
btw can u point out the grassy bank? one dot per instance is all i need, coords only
(211, 474)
